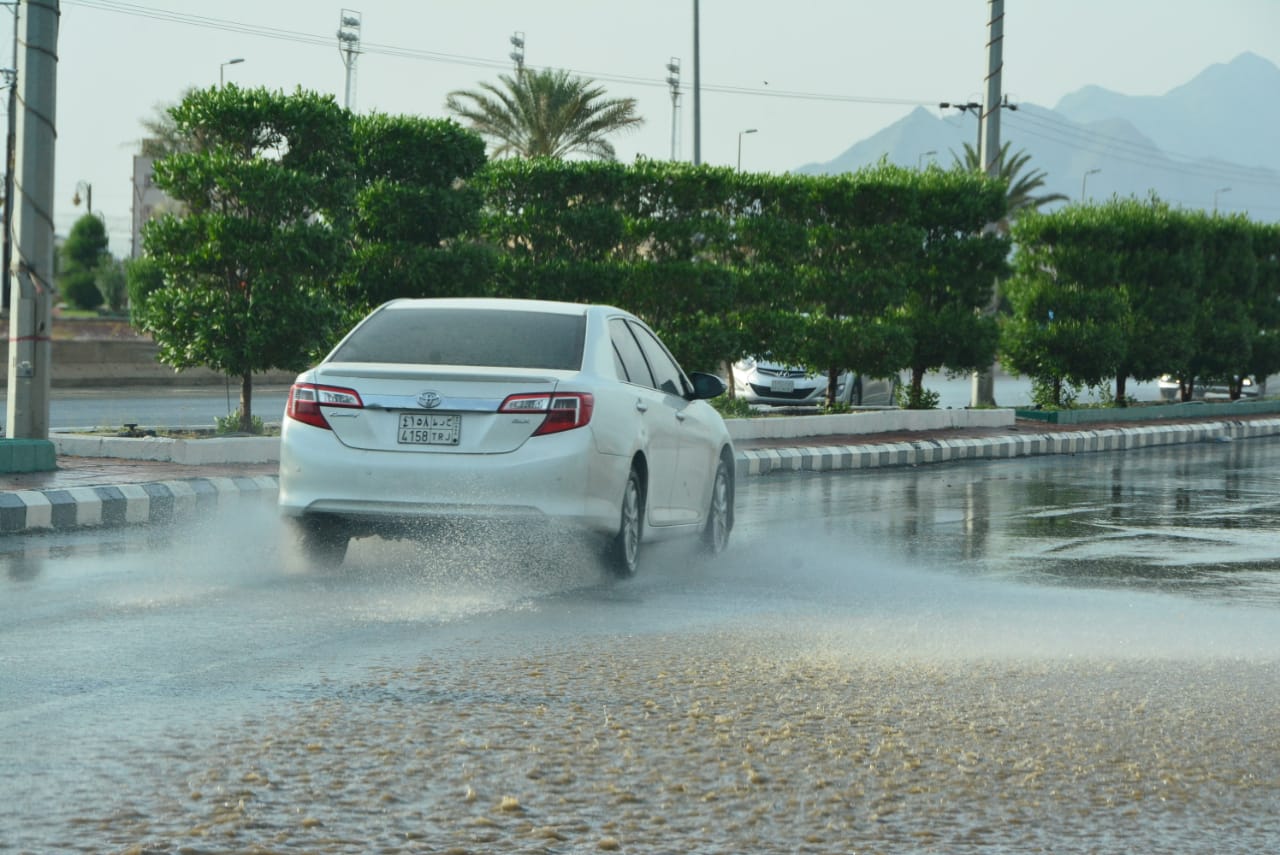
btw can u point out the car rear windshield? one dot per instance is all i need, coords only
(497, 338)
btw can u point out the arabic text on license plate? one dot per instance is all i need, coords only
(429, 429)
(779, 384)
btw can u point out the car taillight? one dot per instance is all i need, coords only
(564, 410)
(305, 400)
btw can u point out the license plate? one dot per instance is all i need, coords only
(780, 384)
(429, 429)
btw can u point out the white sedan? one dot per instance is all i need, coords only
(766, 383)
(469, 410)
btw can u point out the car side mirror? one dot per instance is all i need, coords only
(706, 386)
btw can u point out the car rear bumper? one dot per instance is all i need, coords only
(559, 478)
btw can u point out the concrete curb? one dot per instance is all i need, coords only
(826, 458)
(155, 502)
(29, 511)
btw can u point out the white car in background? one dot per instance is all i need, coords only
(765, 383)
(472, 410)
(1171, 390)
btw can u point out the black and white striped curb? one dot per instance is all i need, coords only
(826, 458)
(23, 511)
(29, 511)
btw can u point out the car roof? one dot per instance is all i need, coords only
(499, 303)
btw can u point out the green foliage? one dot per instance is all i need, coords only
(1069, 314)
(85, 245)
(83, 253)
(112, 283)
(245, 272)
(414, 198)
(545, 113)
(1022, 187)
(732, 408)
(143, 277)
(911, 397)
(236, 423)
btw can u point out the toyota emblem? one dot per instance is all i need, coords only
(429, 400)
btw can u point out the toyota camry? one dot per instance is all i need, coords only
(472, 410)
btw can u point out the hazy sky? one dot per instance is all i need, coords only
(812, 76)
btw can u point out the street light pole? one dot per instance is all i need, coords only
(222, 68)
(923, 155)
(1215, 196)
(88, 195)
(740, 133)
(1085, 179)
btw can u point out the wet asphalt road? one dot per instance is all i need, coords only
(1066, 654)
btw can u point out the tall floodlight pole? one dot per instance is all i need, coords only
(517, 51)
(697, 91)
(984, 391)
(349, 23)
(31, 298)
(673, 80)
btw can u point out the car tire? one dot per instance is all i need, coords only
(624, 549)
(323, 542)
(715, 537)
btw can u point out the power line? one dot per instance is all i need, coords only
(1043, 126)
(401, 52)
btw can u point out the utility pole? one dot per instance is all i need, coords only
(673, 80)
(31, 298)
(697, 91)
(983, 392)
(11, 83)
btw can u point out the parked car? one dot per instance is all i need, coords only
(1170, 390)
(759, 381)
(469, 410)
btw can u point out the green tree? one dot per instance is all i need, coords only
(1022, 195)
(112, 283)
(82, 253)
(1160, 266)
(415, 197)
(1223, 328)
(950, 279)
(1069, 314)
(245, 271)
(549, 113)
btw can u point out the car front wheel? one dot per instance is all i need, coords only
(624, 550)
(715, 537)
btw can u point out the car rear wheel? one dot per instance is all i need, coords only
(715, 537)
(323, 541)
(624, 550)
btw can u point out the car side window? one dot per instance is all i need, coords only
(668, 376)
(626, 352)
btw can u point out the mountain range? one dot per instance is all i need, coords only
(1214, 141)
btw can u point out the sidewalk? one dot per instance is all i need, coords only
(96, 491)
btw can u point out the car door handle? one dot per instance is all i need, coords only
(642, 406)
(680, 417)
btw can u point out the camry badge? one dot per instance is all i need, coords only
(429, 400)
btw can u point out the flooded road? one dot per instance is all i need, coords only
(1062, 654)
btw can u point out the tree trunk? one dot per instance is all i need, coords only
(1120, 384)
(246, 402)
(917, 386)
(833, 380)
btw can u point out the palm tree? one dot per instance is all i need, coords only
(548, 113)
(1021, 188)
